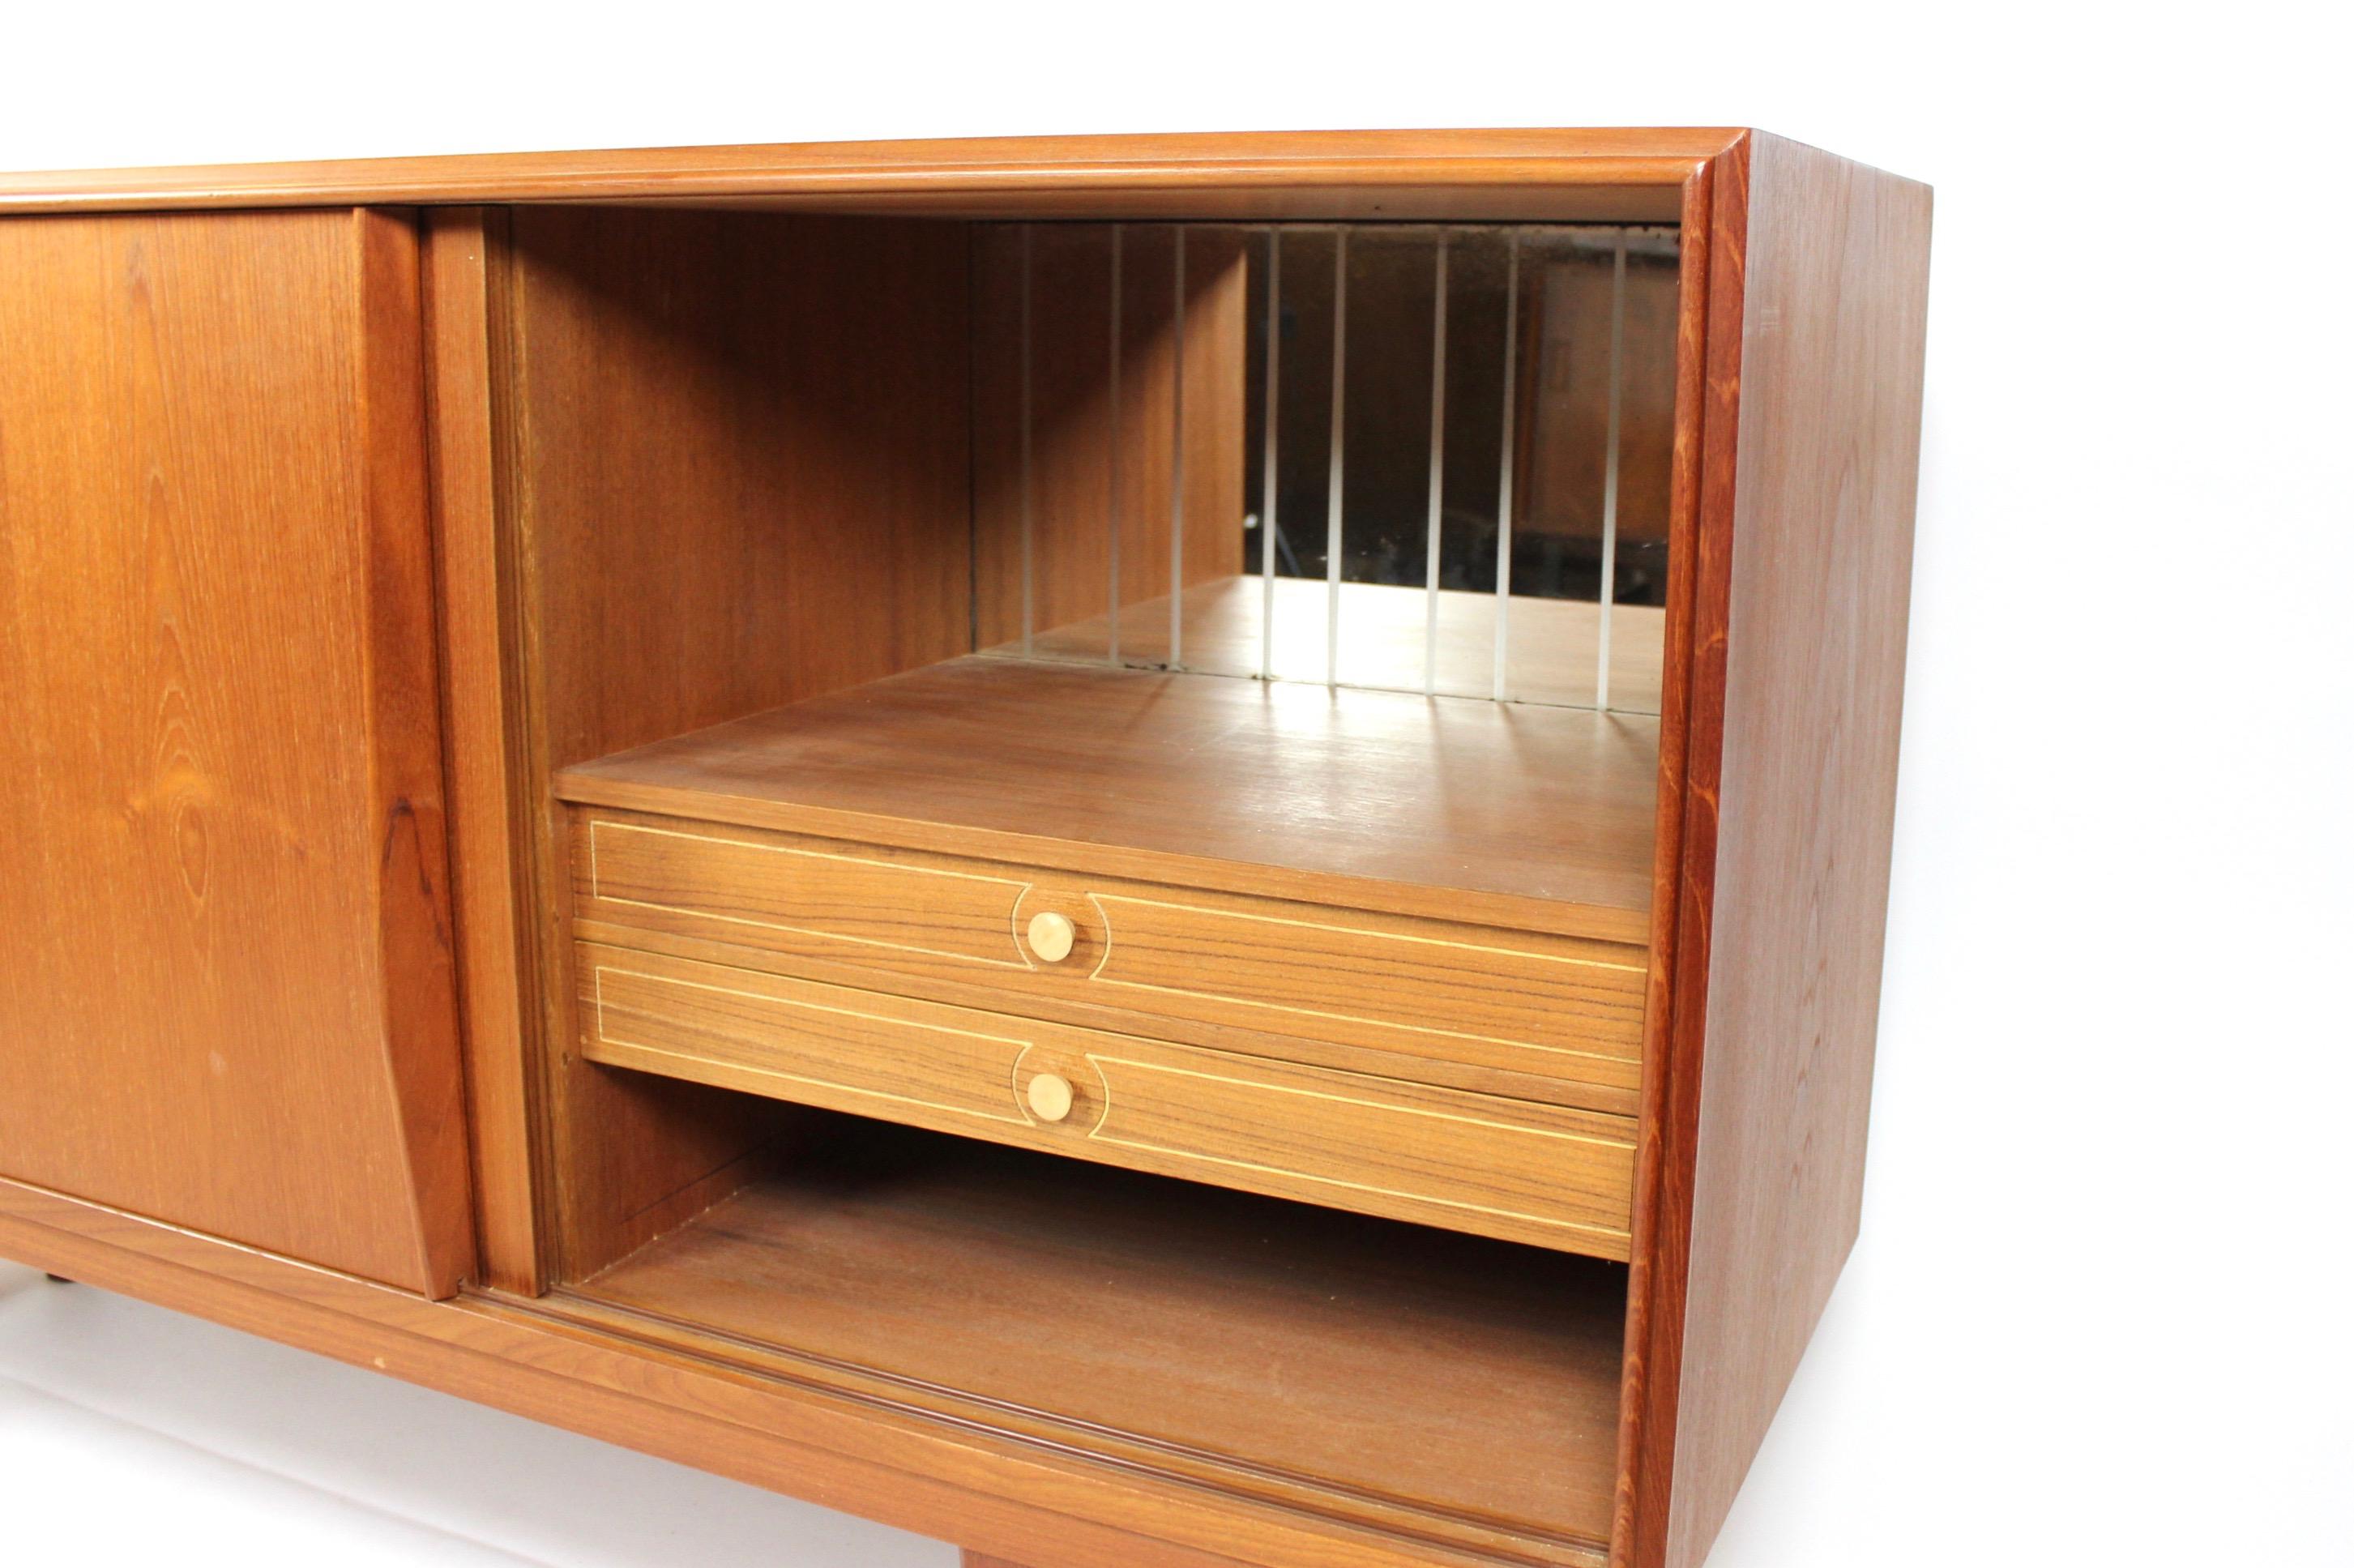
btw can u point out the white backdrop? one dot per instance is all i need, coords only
(2099, 1312)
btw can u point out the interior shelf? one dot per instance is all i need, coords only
(1517, 801)
(1386, 1365)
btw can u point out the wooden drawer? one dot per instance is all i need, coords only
(1549, 1017)
(1545, 1174)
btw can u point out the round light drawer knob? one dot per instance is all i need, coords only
(1051, 936)
(1050, 1096)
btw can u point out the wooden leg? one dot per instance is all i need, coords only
(975, 1560)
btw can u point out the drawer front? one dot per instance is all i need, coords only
(1543, 1174)
(1543, 1006)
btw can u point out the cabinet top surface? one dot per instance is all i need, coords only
(923, 175)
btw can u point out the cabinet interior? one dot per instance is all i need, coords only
(1465, 1388)
(1021, 537)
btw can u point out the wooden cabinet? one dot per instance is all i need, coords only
(1160, 852)
(226, 1000)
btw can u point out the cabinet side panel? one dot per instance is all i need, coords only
(1832, 319)
(225, 996)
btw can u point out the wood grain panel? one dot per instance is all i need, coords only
(228, 1002)
(1574, 1009)
(1535, 817)
(1595, 173)
(744, 461)
(1169, 961)
(1085, 1009)
(876, 1056)
(812, 895)
(1816, 338)
(788, 1430)
(739, 455)
(1553, 1177)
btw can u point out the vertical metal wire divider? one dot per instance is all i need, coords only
(1502, 691)
(1029, 569)
(1267, 484)
(1177, 457)
(1336, 447)
(1610, 479)
(1437, 470)
(1270, 552)
(1118, 436)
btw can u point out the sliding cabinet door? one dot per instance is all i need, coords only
(225, 995)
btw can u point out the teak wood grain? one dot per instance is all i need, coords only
(229, 999)
(1379, 992)
(1817, 319)
(1551, 1177)
(1539, 818)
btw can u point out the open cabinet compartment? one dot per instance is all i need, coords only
(807, 575)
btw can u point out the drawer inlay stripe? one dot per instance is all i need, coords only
(1020, 890)
(1100, 899)
(1294, 1174)
(1103, 903)
(1256, 1087)
(1022, 1046)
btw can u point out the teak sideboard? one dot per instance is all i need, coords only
(1155, 852)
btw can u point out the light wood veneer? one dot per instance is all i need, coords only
(1551, 1176)
(1351, 985)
